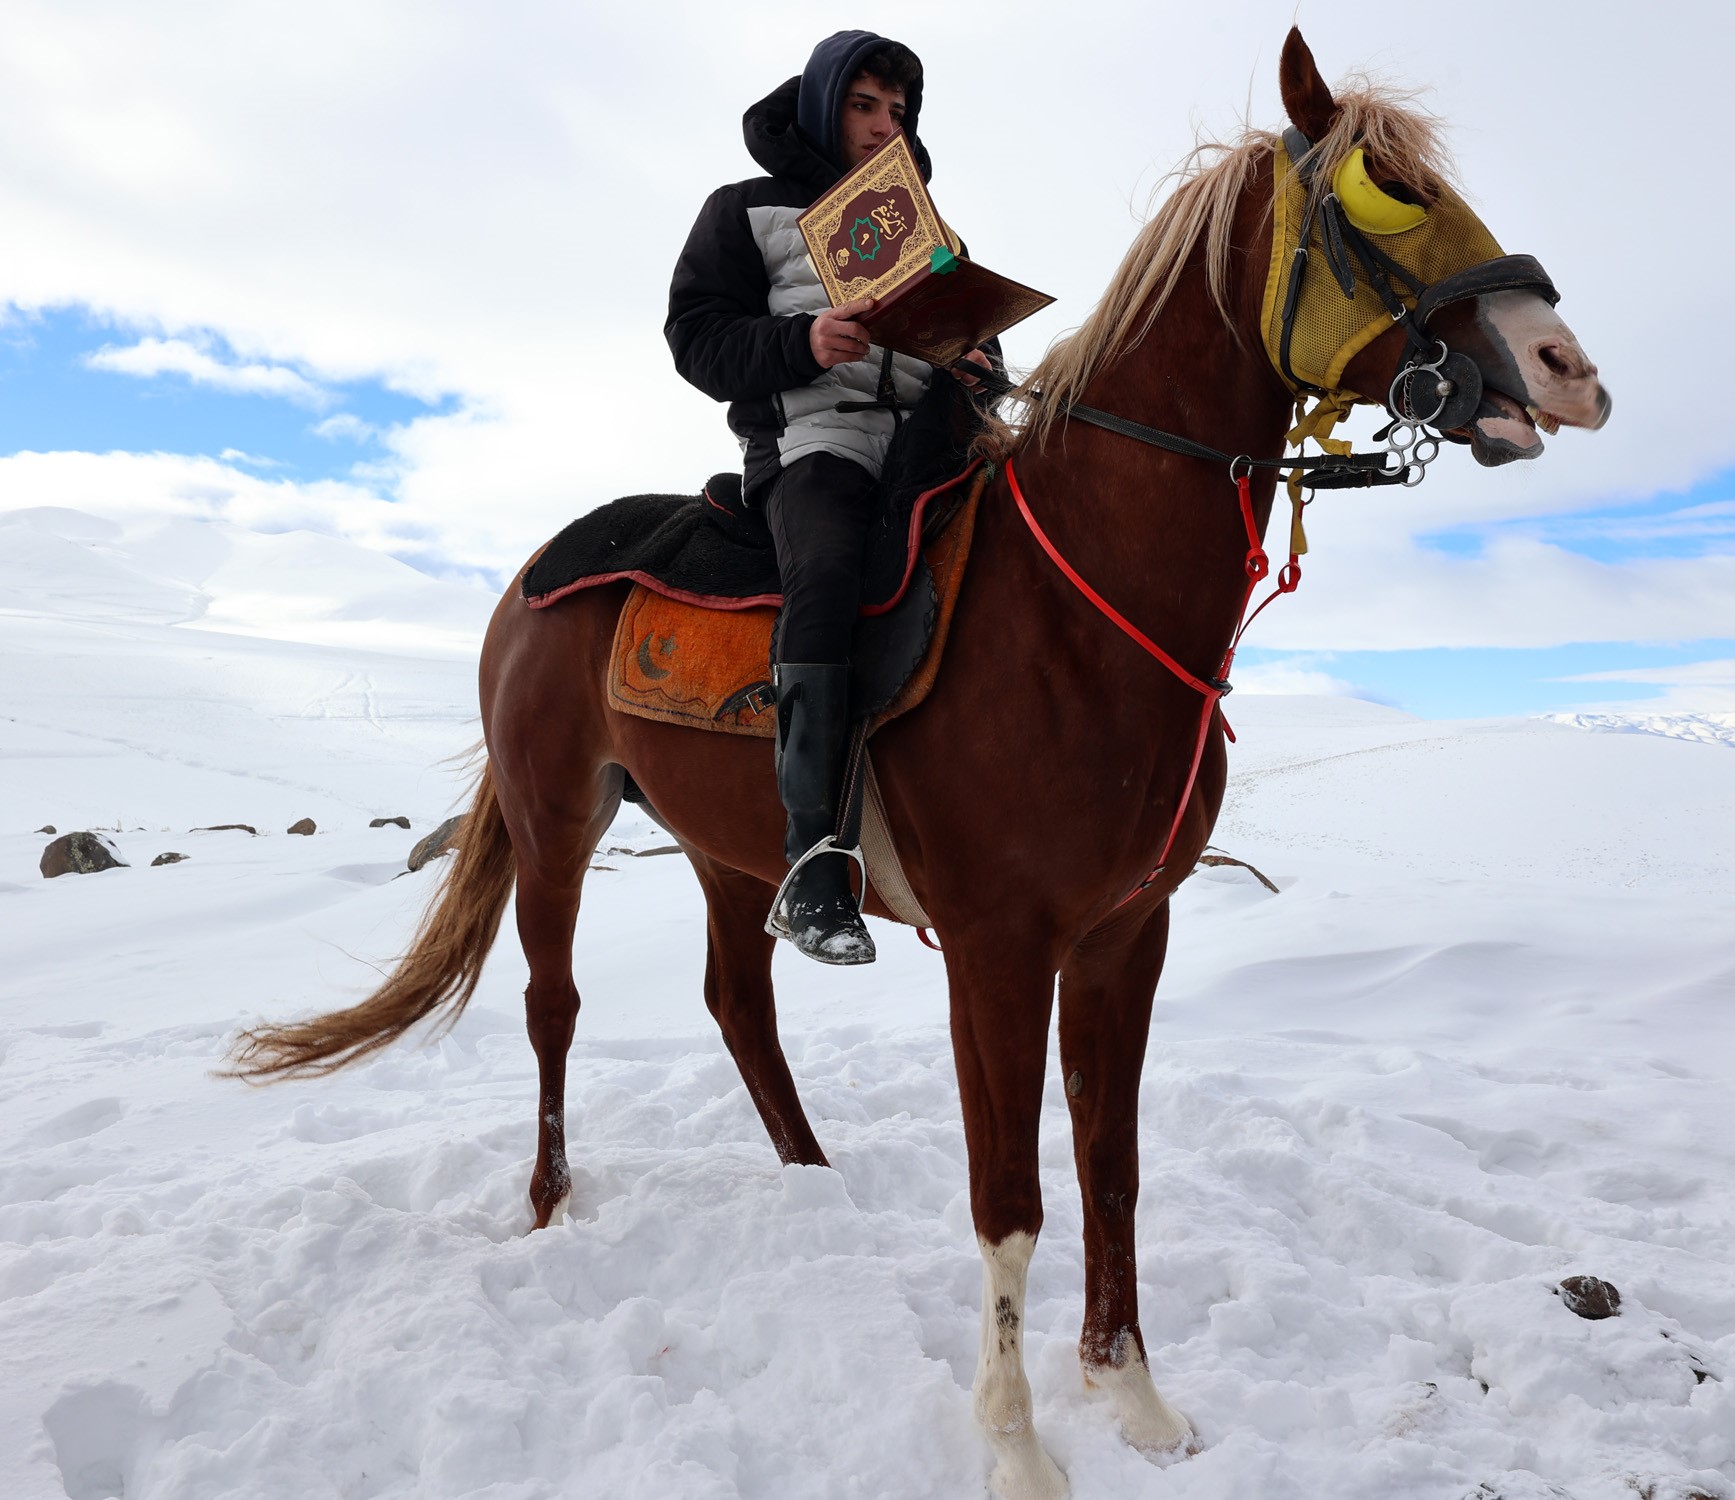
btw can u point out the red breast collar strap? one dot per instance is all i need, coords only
(1210, 690)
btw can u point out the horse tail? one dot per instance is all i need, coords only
(437, 975)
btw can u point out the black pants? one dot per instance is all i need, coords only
(819, 508)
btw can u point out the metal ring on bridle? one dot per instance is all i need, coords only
(1398, 396)
(1236, 472)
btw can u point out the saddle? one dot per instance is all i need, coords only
(687, 660)
(697, 634)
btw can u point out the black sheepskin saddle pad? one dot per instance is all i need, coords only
(714, 548)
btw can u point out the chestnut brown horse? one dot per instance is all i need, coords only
(1036, 786)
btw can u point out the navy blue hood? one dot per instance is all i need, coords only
(826, 79)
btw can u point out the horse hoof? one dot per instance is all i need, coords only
(1026, 1472)
(1162, 1435)
(1165, 1449)
(1147, 1421)
(1047, 1484)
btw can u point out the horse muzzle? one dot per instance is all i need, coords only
(1535, 376)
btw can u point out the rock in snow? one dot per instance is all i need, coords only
(303, 826)
(48, 828)
(399, 822)
(1590, 1297)
(80, 853)
(439, 842)
(171, 858)
(228, 828)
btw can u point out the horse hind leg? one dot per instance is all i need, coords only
(738, 994)
(1107, 985)
(552, 861)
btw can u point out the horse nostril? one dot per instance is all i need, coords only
(1562, 360)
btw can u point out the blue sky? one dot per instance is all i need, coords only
(1672, 524)
(1487, 682)
(53, 399)
(1475, 681)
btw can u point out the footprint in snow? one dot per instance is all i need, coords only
(98, 1432)
(80, 1121)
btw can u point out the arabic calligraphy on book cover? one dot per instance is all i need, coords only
(874, 230)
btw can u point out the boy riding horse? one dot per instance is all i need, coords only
(814, 405)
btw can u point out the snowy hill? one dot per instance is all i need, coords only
(173, 673)
(1481, 1040)
(1707, 729)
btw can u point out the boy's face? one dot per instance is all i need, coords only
(872, 112)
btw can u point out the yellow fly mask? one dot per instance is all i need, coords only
(1349, 261)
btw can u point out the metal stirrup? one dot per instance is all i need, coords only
(778, 925)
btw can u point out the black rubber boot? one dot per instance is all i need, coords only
(818, 912)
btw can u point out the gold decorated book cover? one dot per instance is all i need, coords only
(877, 234)
(876, 229)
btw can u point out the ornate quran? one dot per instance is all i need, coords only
(877, 234)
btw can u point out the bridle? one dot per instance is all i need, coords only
(1434, 391)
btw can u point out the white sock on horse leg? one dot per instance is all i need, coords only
(1147, 1421)
(1022, 1470)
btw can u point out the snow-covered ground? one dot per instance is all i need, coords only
(1483, 1039)
(1709, 729)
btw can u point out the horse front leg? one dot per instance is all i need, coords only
(1107, 985)
(1001, 1004)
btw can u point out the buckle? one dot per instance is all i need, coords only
(757, 696)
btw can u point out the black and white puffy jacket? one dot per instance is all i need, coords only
(744, 296)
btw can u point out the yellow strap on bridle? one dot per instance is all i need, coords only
(1317, 421)
(1314, 422)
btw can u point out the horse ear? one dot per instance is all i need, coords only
(1306, 98)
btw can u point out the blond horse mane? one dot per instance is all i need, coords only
(1402, 139)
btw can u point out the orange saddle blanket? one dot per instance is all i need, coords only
(682, 663)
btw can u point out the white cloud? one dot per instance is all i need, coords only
(1261, 678)
(151, 356)
(128, 486)
(345, 425)
(1700, 687)
(1388, 595)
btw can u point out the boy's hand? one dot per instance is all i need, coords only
(975, 357)
(836, 338)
